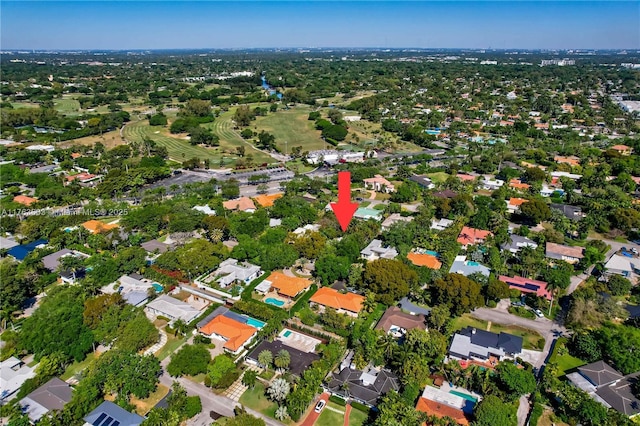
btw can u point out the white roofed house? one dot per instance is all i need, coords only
(171, 308)
(231, 271)
(622, 265)
(13, 374)
(491, 184)
(376, 250)
(379, 184)
(441, 224)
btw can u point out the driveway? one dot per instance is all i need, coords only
(313, 416)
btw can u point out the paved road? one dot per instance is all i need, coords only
(313, 416)
(523, 410)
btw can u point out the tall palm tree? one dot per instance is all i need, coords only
(282, 359)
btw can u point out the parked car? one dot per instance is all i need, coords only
(320, 405)
(538, 312)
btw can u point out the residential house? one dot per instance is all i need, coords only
(24, 200)
(427, 260)
(561, 252)
(52, 396)
(466, 178)
(8, 243)
(345, 303)
(154, 249)
(571, 212)
(300, 360)
(97, 227)
(110, 414)
(447, 193)
(518, 185)
(366, 213)
(53, 261)
(393, 219)
(440, 403)
(527, 285)
(20, 252)
(622, 265)
(171, 308)
(441, 224)
(376, 250)
(364, 386)
(609, 387)
(243, 204)
(286, 286)
(397, 323)
(472, 344)
(231, 271)
(379, 184)
(407, 306)
(491, 184)
(267, 200)
(466, 267)
(572, 161)
(472, 236)
(133, 289)
(514, 203)
(205, 209)
(572, 176)
(13, 374)
(622, 149)
(81, 178)
(423, 181)
(517, 243)
(235, 334)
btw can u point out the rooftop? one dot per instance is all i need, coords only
(53, 395)
(242, 204)
(286, 285)
(394, 316)
(267, 200)
(97, 227)
(470, 235)
(300, 360)
(559, 249)
(234, 332)
(426, 260)
(109, 414)
(327, 296)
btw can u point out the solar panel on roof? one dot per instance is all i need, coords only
(116, 423)
(99, 420)
(107, 422)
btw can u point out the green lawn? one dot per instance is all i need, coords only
(331, 418)
(565, 361)
(77, 367)
(531, 339)
(438, 177)
(67, 106)
(257, 400)
(299, 166)
(170, 347)
(357, 417)
(293, 127)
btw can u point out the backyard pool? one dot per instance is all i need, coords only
(464, 395)
(275, 302)
(157, 287)
(287, 333)
(255, 323)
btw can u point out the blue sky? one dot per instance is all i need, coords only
(216, 24)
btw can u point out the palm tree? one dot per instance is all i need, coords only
(265, 358)
(279, 389)
(282, 359)
(179, 326)
(281, 413)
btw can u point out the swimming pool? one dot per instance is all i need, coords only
(275, 302)
(431, 252)
(255, 323)
(157, 287)
(287, 333)
(464, 395)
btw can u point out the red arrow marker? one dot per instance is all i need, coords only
(344, 208)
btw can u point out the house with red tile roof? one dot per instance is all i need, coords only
(344, 303)
(514, 203)
(426, 260)
(518, 185)
(235, 334)
(526, 285)
(24, 200)
(97, 227)
(286, 286)
(243, 204)
(379, 184)
(440, 403)
(470, 236)
(266, 200)
(622, 149)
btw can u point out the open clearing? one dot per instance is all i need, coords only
(531, 339)
(67, 106)
(109, 140)
(291, 126)
(143, 406)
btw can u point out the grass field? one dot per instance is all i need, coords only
(67, 106)
(565, 361)
(170, 347)
(357, 417)
(18, 105)
(77, 367)
(109, 140)
(143, 406)
(329, 417)
(531, 339)
(257, 400)
(438, 177)
(291, 126)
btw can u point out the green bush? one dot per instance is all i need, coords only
(360, 407)
(193, 406)
(228, 379)
(337, 400)
(536, 413)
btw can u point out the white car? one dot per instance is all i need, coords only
(538, 312)
(320, 405)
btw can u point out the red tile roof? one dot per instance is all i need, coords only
(470, 235)
(526, 285)
(235, 332)
(427, 260)
(440, 410)
(327, 296)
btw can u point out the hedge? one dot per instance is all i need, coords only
(337, 400)
(536, 413)
(304, 300)
(360, 407)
